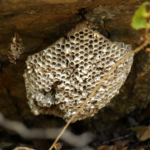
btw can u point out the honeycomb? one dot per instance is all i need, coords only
(60, 78)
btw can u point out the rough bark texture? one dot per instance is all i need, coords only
(40, 23)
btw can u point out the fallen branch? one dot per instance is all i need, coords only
(48, 133)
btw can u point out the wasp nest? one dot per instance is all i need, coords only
(60, 78)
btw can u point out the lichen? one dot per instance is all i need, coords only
(15, 48)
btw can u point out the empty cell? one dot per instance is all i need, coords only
(86, 49)
(85, 55)
(90, 46)
(122, 54)
(53, 63)
(86, 44)
(107, 62)
(53, 48)
(76, 34)
(82, 42)
(117, 53)
(36, 55)
(101, 39)
(77, 43)
(72, 37)
(81, 67)
(45, 75)
(90, 32)
(58, 50)
(43, 63)
(72, 44)
(114, 46)
(38, 59)
(108, 48)
(34, 61)
(78, 40)
(58, 55)
(100, 43)
(81, 52)
(77, 49)
(90, 52)
(85, 59)
(81, 37)
(91, 42)
(72, 48)
(47, 57)
(112, 55)
(38, 65)
(58, 59)
(105, 41)
(95, 46)
(67, 56)
(86, 41)
(86, 65)
(90, 36)
(96, 41)
(86, 35)
(71, 64)
(48, 62)
(81, 32)
(58, 45)
(67, 45)
(86, 30)
(107, 53)
(104, 46)
(95, 53)
(54, 58)
(81, 58)
(81, 63)
(49, 51)
(53, 53)
(62, 47)
(67, 87)
(81, 47)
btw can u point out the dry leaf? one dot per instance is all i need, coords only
(143, 132)
(145, 115)
(101, 147)
(15, 48)
(125, 148)
(147, 50)
(118, 146)
(105, 147)
(23, 148)
(121, 143)
(140, 148)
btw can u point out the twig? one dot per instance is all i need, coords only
(146, 42)
(96, 144)
(118, 138)
(48, 133)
